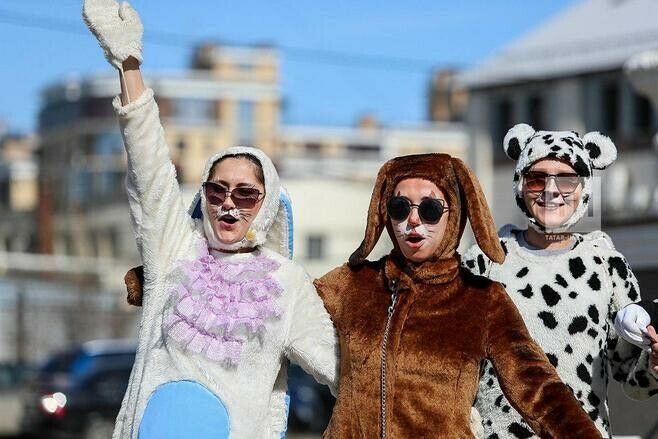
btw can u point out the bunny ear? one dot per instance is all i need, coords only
(516, 138)
(601, 149)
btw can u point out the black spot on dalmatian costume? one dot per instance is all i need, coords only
(569, 300)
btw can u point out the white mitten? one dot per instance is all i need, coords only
(631, 324)
(117, 28)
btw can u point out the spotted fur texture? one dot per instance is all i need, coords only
(568, 303)
(526, 146)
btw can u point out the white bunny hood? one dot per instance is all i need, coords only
(272, 226)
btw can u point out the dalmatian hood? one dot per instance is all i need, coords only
(526, 146)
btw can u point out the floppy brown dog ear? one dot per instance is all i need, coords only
(376, 221)
(478, 212)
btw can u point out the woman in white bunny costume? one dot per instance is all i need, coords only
(224, 307)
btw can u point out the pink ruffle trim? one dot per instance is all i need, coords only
(221, 304)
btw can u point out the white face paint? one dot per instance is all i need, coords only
(234, 212)
(403, 229)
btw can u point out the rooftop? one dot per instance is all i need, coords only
(590, 36)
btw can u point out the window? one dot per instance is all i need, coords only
(108, 144)
(245, 122)
(313, 148)
(610, 108)
(501, 122)
(315, 244)
(363, 151)
(643, 114)
(97, 107)
(193, 111)
(4, 187)
(536, 112)
(55, 114)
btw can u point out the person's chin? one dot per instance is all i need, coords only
(228, 237)
(414, 254)
(552, 221)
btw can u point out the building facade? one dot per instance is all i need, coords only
(229, 96)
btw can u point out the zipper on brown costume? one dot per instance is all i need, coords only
(391, 310)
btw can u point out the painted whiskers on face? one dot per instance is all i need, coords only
(403, 230)
(238, 214)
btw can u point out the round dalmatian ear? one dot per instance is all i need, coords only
(600, 148)
(515, 139)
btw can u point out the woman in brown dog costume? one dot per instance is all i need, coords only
(414, 328)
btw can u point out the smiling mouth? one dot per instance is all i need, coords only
(229, 219)
(549, 205)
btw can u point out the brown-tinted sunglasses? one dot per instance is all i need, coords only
(242, 197)
(566, 182)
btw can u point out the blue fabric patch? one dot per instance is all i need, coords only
(283, 199)
(183, 410)
(285, 429)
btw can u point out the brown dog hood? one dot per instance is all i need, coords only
(464, 197)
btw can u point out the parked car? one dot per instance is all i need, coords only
(311, 403)
(77, 392)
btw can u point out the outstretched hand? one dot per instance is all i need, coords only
(631, 323)
(117, 27)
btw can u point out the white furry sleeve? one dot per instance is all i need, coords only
(312, 340)
(162, 226)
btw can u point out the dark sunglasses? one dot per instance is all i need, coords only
(430, 210)
(242, 197)
(566, 183)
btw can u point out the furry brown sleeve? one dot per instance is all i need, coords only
(329, 289)
(528, 380)
(134, 280)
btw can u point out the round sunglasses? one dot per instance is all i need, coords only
(242, 197)
(566, 183)
(430, 210)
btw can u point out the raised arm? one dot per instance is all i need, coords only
(528, 380)
(162, 226)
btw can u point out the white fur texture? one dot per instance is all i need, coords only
(254, 391)
(117, 28)
(557, 293)
(608, 151)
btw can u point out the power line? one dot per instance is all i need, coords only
(294, 53)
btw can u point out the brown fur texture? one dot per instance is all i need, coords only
(445, 322)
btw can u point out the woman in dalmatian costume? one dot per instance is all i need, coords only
(224, 308)
(567, 286)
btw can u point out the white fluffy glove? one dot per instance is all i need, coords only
(631, 325)
(117, 28)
